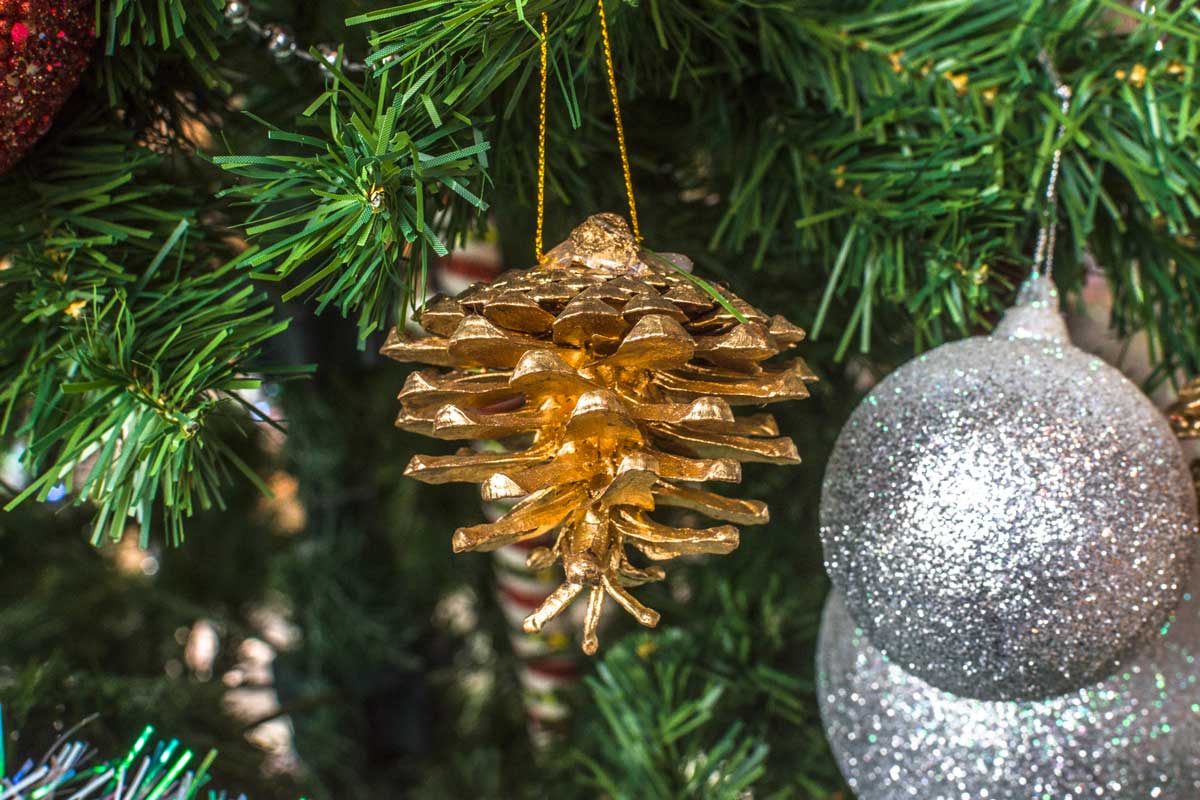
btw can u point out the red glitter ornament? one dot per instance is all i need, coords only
(44, 48)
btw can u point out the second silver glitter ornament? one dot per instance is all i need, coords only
(1134, 735)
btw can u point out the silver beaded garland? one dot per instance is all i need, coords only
(1132, 736)
(1008, 516)
(281, 42)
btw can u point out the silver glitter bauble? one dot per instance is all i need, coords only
(1007, 515)
(1132, 736)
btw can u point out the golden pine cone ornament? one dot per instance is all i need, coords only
(620, 374)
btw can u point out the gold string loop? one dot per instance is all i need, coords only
(616, 105)
(541, 162)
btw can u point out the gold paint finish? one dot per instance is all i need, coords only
(1184, 413)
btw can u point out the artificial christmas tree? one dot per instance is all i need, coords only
(201, 256)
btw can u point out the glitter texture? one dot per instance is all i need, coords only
(1006, 515)
(44, 48)
(1133, 735)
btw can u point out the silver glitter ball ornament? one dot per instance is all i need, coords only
(1007, 515)
(1132, 736)
(237, 12)
(280, 41)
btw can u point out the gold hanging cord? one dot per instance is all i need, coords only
(616, 106)
(541, 164)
